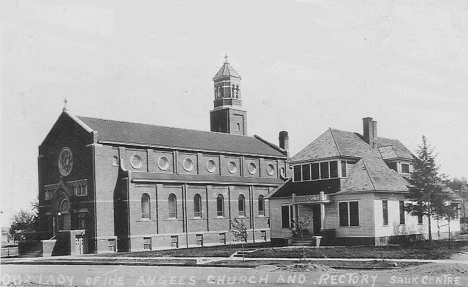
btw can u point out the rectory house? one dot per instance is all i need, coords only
(351, 188)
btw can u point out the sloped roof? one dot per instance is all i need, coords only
(322, 147)
(153, 135)
(369, 173)
(226, 71)
(399, 150)
(372, 174)
(334, 143)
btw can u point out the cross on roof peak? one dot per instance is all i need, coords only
(65, 104)
(225, 57)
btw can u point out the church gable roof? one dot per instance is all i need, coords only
(151, 135)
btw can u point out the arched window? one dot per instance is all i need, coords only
(220, 205)
(64, 215)
(145, 206)
(241, 205)
(172, 206)
(197, 206)
(261, 205)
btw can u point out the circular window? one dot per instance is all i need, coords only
(270, 169)
(211, 165)
(232, 167)
(188, 164)
(136, 161)
(163, 162)
(65, 162)
(252, 168)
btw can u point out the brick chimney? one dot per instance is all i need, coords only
(369, 130)
(284, 140)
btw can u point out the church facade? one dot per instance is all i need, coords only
(108, 186)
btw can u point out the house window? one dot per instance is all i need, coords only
(402, 212)
(286, 216)
(333, 169)
(200, 239)
(145, 206)
(220, 205)
(147, 243)
(261, 205)
(222, 238)
(385, 211)
(241, 201)
(197, 206)
(297, 173)
(306, 172)
(420, 219)
(172, 205)
(324, 172)
(263, 235)
(175, 241)
(344, 170)
(405, 168)
(315, 171)
(349, 213)
(111, 245)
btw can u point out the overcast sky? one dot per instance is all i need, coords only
(305, 66)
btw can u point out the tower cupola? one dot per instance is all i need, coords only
(227, 86)
(227, 115)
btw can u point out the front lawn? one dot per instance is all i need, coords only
(417, 250)
(212, 251)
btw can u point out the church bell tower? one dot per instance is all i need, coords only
(227, 115)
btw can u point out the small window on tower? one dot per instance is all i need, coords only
(238, 127)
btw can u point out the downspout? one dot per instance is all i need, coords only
(185, 214)
(93, 151)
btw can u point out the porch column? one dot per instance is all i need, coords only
(322, 215)
(294, 209)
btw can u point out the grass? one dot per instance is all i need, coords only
(417, 250)
(213, 251)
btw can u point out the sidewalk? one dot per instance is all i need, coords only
(197, 261)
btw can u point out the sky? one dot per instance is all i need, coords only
(305, 66)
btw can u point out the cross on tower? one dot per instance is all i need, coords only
(225, 57)
(65, 104)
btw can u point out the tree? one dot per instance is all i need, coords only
(298, 229)
(239, 230)
(23, 221)
(448, 212)
(426, 194)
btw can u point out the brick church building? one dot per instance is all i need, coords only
(108, 186)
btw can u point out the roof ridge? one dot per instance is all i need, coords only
(334, 140)
(162, 126)
(367, 170)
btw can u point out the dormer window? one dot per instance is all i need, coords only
(405, 168)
